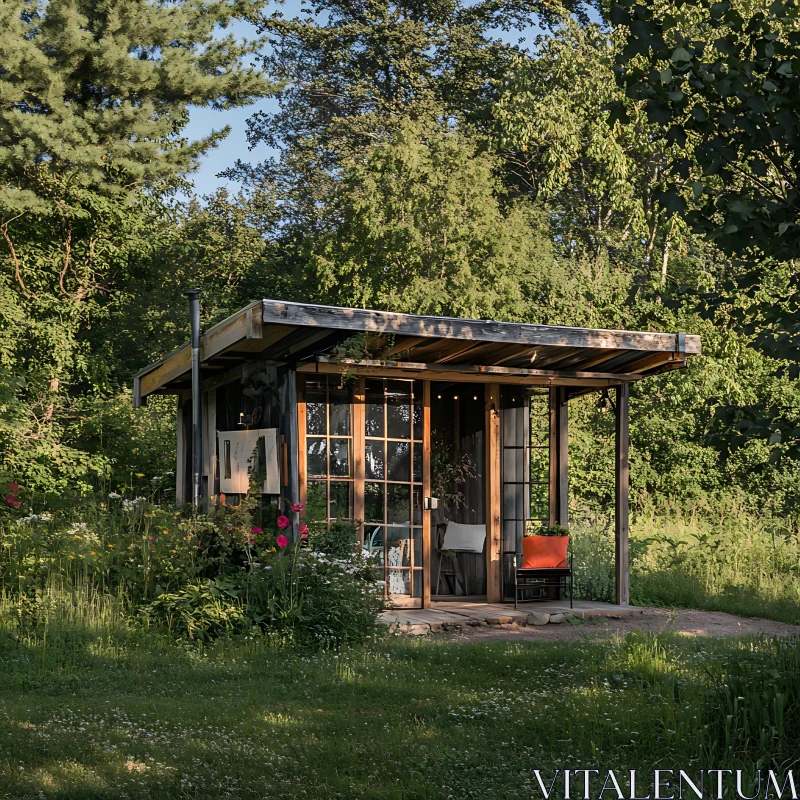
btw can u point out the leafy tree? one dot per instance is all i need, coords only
(720, 81)
(421, 225)
(353, 71)
(600, 179)
(93, 99)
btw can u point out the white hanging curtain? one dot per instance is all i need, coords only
(238, 456)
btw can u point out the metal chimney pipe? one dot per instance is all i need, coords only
(197, 408)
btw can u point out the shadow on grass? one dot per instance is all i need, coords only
(400, 719)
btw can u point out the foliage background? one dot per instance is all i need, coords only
(424, 163)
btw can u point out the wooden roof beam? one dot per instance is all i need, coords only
(356, 319)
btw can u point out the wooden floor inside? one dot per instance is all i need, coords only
(444, 615)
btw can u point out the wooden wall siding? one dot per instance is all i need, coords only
(621, 482)
(493, 532)
(181, 455)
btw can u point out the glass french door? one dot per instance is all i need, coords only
(393, 484)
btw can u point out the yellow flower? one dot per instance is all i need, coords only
(165, 532)
(110, 546)
(140, 474)
(173, 551)
(76, 537)
(71, 558)
(92, 552)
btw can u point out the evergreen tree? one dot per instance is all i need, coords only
(93, 99)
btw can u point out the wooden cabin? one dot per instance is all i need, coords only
(357, 414)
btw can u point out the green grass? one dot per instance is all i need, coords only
(720, 557)
(115, 714)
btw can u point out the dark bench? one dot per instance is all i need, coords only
(525, 579)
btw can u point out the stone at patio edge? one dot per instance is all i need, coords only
(538, 618)
(557, 619)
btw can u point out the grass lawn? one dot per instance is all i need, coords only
(131, 716)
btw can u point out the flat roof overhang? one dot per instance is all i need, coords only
(415, 346)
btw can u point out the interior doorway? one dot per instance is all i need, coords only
(457, 464)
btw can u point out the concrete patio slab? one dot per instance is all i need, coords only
(443, 615)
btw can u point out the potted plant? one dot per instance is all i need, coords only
(545, 548)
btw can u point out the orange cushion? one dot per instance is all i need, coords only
(543, 552)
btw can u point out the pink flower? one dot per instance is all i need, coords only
(297, 507)
(256, 531)
(12, 502)
(283, 522)
(13, 488)
(281, 541)
(304, 536)
(304, 529)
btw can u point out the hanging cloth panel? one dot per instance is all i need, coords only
(238, 454)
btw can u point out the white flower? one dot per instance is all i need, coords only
(114, 496)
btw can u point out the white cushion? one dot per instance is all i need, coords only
(464, 538)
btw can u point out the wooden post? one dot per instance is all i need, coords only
(426, 492)
(562, 457)
(301, 438)
(359, 413)
(293, 445)
(494, 565)
(621, 517)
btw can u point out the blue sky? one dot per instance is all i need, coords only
(203, 120)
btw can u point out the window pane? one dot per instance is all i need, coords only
(373, 502)
(417, 414)
(540, 506)
(417, 546)
(398, 457)
(316, 462)
(398, 410)
(417, 506)
(374, 408)
(340, 412)
(398, 503)
(373, 539)
(341, 500)
(417, 583)
(418, 461)
(317, 501)
(399, 581)
(315, 410)
(398, 547)
(540, 464)
(374, 456)
(340, 458)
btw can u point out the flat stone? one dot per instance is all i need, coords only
(538, 618)
(473, 623)
(418, 629)
(492, 621)
(435, 626)
(557, 619)
(507, 625)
